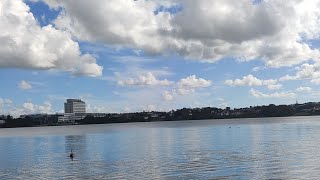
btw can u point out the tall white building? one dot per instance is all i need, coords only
(74, 106)
(74, 110)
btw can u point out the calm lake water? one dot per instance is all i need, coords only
(281, 148)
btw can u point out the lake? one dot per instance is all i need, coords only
(262, 148)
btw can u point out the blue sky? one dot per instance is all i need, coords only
(126, 56)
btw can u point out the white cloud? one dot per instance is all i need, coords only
(222, 103)
(186, 86)
(259, 94)
(1, 103)
(269, 82)
(5, 101)
(189, 84)
(193, 82)
(4, 105)
(96, 109)
(30, 108)
(305, 71)
(184, 91)
(151, 107)
(46, 108)
(274, 86)
(256, 69)
(251, 80)
(167, 96)
(287, 78)
(147, 79)
(24, 44)
(183, 87)
(24, 85)
(7, 106)
(315, 81)
(129, 100)
(304, 89)
(129, 23)
(272, 30)
(8, 101)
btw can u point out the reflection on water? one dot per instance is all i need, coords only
(285, 148)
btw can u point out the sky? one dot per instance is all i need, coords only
(139, 55)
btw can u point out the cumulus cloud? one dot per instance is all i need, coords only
(251, 80)
(24, 44)
(186, 86)
(259, 94)
(146, 79)
(190, 84)
(287, 78)
(5, 101)
(193, 82)
(24, 85)
(30, 108)
(305, 71)
(222, 103)
(258, 68)
(150, 108)
(182, 87)
(129, 23)
(273, 31)
(167, 96)
(274, 86)
(184, 91)
(7, 106)
(304, 89)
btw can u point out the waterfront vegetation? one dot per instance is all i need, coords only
(306, 109)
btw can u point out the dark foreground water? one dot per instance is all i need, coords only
(280, 148)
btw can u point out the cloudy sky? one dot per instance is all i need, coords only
(135, 55)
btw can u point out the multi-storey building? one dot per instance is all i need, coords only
(74, 106)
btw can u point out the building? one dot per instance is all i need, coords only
(74, 106)
(83, 115)
(66, 118)
(74, 110)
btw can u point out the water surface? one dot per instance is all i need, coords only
(279, 148)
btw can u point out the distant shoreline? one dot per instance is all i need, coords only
(185, 114)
